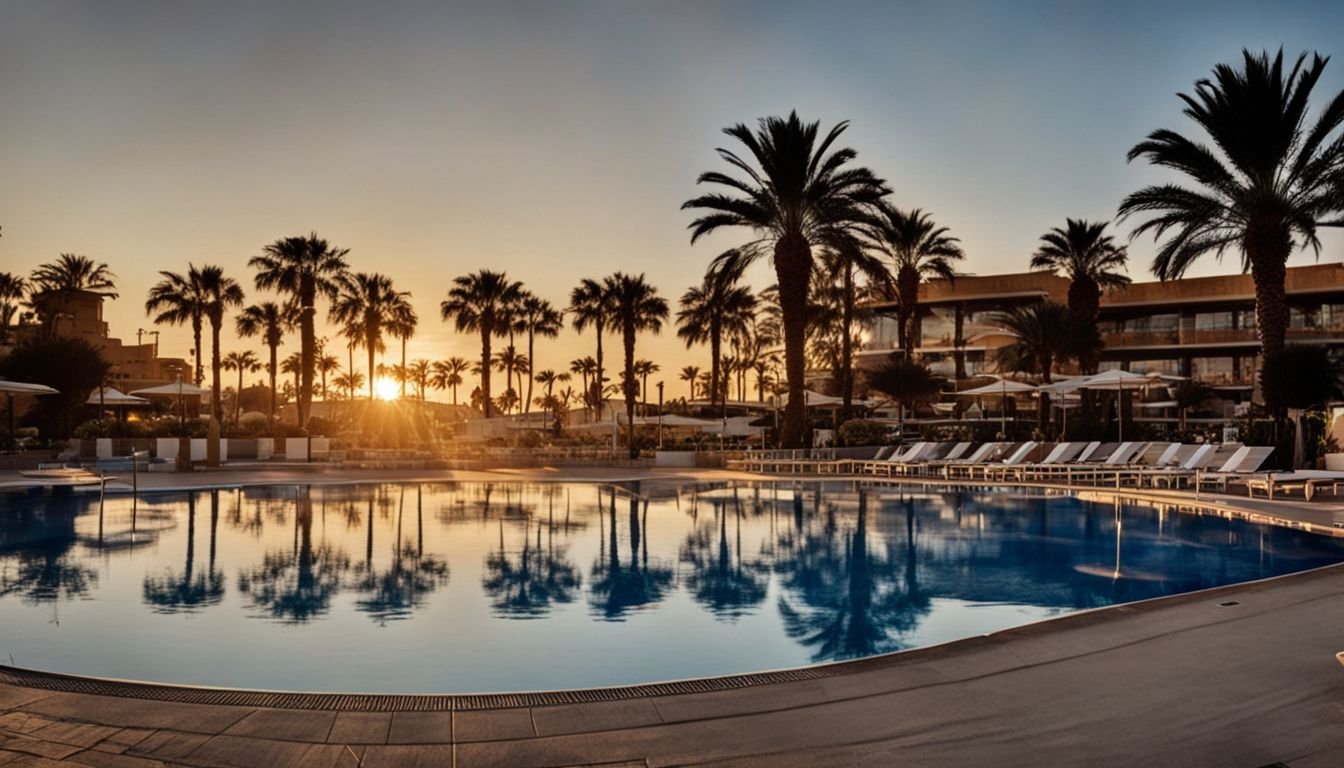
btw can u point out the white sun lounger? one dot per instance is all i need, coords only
(986, 452)
(1245, 461)
(1062, 453)
(1309, 480)
(1002, 468)
(1201, 457)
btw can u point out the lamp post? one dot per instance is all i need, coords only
(140, 333)
(660, 415)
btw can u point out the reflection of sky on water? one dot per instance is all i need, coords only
(505, 586)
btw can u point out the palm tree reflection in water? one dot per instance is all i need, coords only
(188, 591)
(296, 586)
(728, 586)
(393, 594)
(522, 584)
(618, 589)
(844, 601)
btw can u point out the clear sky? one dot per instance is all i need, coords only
(556, 140)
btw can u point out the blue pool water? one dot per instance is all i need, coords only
(507, 587)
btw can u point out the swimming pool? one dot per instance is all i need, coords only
(476, 587)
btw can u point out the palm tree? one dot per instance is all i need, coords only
(642, 369)
(1044, 333)
(1266, 188)
(907, 382)
(841, 265)
(419, 374)
(178, 301)
(590, 305)
(268, 320)
(349, 382)
(369, 301)
(327, 365)
(447, 374)
(585, 367)
(635, 307)
(12, 290)
(401, 326)
(477, 302)
(218, 293)
(800, 193)
(689, 374)
(717, 307)
(919, 249)
(293, 365)
(242, 362)
(304, 268)
(539, 318)
(550, 378)
(1091, 261)
(510, 363)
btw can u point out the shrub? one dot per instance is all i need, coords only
(319, 426)
(96, 428)
(861, 432)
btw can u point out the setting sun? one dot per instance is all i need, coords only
(385, 388)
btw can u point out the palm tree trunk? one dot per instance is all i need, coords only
(715, 349)
(597, 375)
(307, 345)
(793, 266)
(238, 398)
(216, 407)
(372, 345)
(486, 405)
(1271, 305)
(527, 404)
(907, 289)
(403, 368)
(350, 372)
(847, 348)
(628, 336)
(959, 343)
(274, 369)
(200, 359)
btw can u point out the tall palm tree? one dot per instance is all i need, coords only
(841, 265)
(369, 301)
(798, 193)
(690, 374)
(510, 362)
(12, 290)
(590, 305)
(401, 326)
(178, 300)
(447, 374)
(477, 303)
(242, 362)
(919, 249)
(643, 368)
(584, 367)
(717, 307)
(1044, 333)
(550, 378)
(419, 373)
(1271, 181)
(539, 318)
(635, 306)
(218, 293)
(268, 320)
(1091, 261)
(305, 269)
(327, 365)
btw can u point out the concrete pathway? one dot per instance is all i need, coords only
(1238, 676)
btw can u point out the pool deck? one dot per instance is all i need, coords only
(1239, 676)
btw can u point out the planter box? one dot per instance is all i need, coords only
(296, 449)
(674, 459)
(265, 448)
(1334, 461)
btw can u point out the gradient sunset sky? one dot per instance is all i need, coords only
(557, 140)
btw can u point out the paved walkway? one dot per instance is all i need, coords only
(1239, 676)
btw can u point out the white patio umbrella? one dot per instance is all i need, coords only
(1119, 381)
(178, 389)
(12, 388)
(1002, 388)
(105, 396)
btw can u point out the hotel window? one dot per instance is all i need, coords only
(1213, 321)
(1246, 369)
(1111, 326)
(1154, 324)
(1167, 367)
(1304, 317)
(1246, 319)
(1213, 370)
(1332, 316)
(938, 328)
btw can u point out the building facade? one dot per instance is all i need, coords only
(1202, 328)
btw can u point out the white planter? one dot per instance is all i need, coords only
(674, 459)
(296, 449)
(321, 446)
(165, 448)
(103, 448)
(198, 449)
(1334, 461)
(265, 448)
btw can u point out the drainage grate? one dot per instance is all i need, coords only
(1229, 603)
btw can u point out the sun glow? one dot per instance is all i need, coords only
(385, 388)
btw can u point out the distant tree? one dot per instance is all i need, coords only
(218, 292)
(447, 374)
(401, 324)
(242, 362)
(293, 365)
(590, 305)
(327, 365)
(842, 263)
(586, 367)
(907, 382)
(12, 290)
(268, 320)
(690, 374)
(1271, 181)
(643, 369)
(538, 317)
(369, 301)
(720, 306)
(1190, 395)
(53, 284)
(796, 194)
(1044, 333)
(71, 366)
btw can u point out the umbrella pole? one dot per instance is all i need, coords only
(13, 441)
(1003, 412)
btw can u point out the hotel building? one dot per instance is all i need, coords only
(1200, 327)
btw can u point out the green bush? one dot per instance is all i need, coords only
(96, 428)
(861, 432)
(319, 426)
